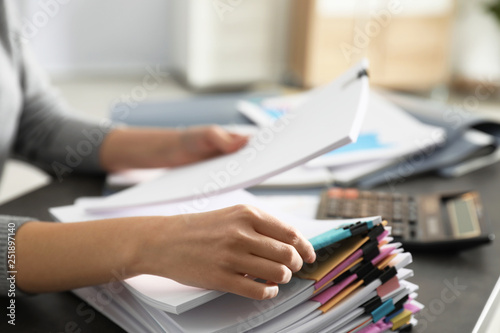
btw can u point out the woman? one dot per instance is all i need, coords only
(214, 250)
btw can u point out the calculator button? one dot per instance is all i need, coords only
(398, 239)
(335, 193)
(397, 230)
(365, 195)
(364, 208)
(413, 233)
(333, 208)
(404, 199)
(351, 193)
(397, 197)
(381, 196)
(380, 208)
(348, 208)
(432, 223)
(413, 212)
(397, 213)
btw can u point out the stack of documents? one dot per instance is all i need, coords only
(359, 280)
(401, 136)
(472, 140)
(387, 134)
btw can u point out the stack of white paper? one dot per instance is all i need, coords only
(156, 304)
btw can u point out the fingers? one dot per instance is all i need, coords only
(270, 226)
(225, 141)
(226, 245)
(264, 269)
(276, 251)
(246, 287)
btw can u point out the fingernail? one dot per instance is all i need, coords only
(271, 291)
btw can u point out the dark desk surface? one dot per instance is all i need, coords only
(453, 287)
(54, 312)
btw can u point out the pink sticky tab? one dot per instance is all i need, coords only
(389, 286)
(382, 235)
(411, 307)
(378, 327)
(329, 293)
(352, 258)
(383, 253)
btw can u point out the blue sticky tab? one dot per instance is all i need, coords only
(336, 235)
(329, 237)
(382, 310)
(388, 319)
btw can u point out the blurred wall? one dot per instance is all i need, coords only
(477, 42)
(125, 36)
(93, 36)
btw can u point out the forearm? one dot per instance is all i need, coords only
(56, 256)
(213, 250)
(126, 148)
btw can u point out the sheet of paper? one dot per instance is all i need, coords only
(298, 177)
(233, 313)
(387, 132)
(111, 309)
(330, 118)
(350, 173)
(310, 227)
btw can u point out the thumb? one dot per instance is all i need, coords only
(225, 141)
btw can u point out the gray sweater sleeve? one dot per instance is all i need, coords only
(48, 135)
(8, 228)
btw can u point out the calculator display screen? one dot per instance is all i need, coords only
(463, 217)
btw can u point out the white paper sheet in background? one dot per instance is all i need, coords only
(388, 132)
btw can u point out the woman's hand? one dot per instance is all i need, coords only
(199, 143)
(219, 250)
(127, 148)
(223, 249)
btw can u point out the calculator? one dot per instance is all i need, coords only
(443, 221)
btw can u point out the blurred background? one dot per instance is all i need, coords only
(98, 52)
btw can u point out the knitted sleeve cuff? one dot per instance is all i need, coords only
(8, 228)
